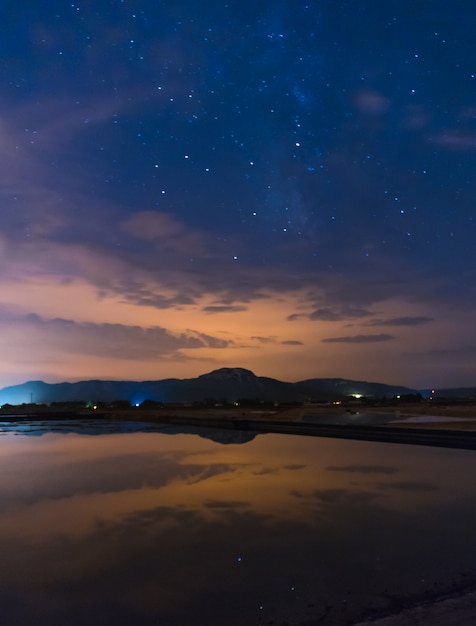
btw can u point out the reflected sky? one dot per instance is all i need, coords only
(170, 528)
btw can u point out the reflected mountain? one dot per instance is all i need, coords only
(37, 428)
(227, 436)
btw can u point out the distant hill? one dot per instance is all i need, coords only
(225, 384)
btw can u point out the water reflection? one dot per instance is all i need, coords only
(159, 527)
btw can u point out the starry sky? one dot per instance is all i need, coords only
(286, 186)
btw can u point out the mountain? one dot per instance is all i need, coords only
(340, 387)
(224, 384)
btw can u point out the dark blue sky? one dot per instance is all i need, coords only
(286, 186)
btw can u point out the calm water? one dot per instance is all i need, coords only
(174, 528)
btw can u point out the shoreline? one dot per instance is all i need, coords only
(451, 427)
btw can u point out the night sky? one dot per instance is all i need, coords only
(283, 186)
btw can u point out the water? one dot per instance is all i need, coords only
(169, 527)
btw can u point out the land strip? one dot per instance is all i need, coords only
(394, 426)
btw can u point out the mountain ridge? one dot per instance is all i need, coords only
(227, 384)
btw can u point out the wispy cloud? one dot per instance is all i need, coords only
(416, 320)
(447, 353)
(118, 341)
(296, 316)
(371, 102)
(363, 469)
(455, 140)
(337, 314)
(359, 339)
(223, 309)
(264, 339)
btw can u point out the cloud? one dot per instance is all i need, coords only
(223, 309)
(337, 314)
(455, 140)
(447, 353)
(292, 342)
(416, 116)
(264, 339)
(416, 320)
(359, 339)
(209, 341)
(152, 226)
(116, 341)
(149, 297)
(332, 313)
(55, 226)
(371, 102)
(296, 316)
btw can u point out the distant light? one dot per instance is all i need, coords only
(94, 407)
(357, 395)
(137, 404)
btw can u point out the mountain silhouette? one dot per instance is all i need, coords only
(221, 385)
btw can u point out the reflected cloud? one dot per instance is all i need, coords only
(363, 469)
(197, 473)
(266, 470)
(408, 486)
(226, 504)
(141, 520)
(336, 496)
(344, 496)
